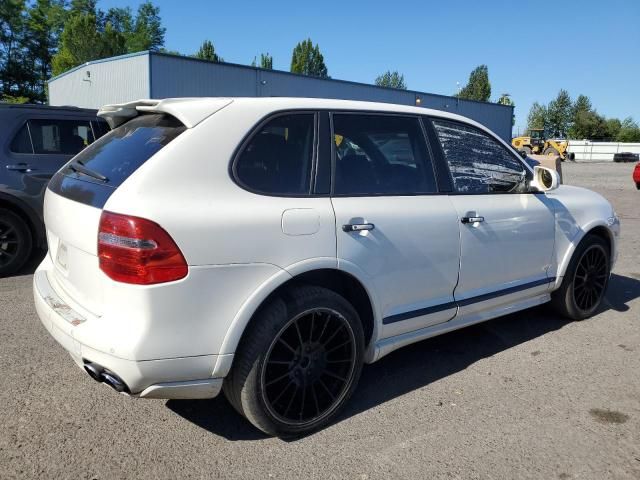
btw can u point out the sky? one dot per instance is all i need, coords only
(532, 49)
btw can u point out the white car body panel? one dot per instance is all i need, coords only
(419, 264)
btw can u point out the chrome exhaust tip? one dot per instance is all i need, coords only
(113, 381)
(94, 370)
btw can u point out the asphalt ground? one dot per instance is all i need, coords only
(530, 395)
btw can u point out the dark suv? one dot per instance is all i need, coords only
(35, 141)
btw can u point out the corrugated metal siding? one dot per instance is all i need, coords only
(154, 75)
(112, 81)
(185, 77)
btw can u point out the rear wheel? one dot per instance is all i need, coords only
(526, 149)
(15, 242)
(298, 363)
(585, 281)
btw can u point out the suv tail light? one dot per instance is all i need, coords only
(139, 251)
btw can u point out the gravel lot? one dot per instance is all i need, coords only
(525, 396)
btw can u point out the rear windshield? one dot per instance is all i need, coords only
(123, 150)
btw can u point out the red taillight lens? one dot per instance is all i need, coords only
(139, 251)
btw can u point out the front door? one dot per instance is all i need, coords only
(393, 230)
(506, 233)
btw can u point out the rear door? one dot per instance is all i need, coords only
(393, 228)
(506, 231)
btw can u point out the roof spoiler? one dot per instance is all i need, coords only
(190, 111)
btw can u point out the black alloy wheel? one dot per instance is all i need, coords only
(15, 242)
(590, 280)
(309, 367)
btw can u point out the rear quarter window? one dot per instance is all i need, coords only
(123, 150)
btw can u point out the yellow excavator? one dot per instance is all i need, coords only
(536, 143)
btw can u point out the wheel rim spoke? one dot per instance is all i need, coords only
(301, 383)
(590, 278)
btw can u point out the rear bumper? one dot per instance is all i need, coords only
(185, 377)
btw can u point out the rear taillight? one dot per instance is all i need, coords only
(139, 251)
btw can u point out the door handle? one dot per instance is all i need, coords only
(21, 167)
(357, 227)
(472, 219)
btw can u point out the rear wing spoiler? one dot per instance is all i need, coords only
(190, 111)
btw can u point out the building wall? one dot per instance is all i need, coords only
(154, 75)
(111, 81)
(173, 76)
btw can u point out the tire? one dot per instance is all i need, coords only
(282, 362)
(15, 242)
(526, 149)
(585, 281)
(638, 186)
(551, 152)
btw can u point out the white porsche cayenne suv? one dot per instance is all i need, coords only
(268, 247)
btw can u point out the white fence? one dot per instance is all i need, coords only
(587, 151)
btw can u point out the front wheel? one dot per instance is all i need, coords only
(585, 280)
(299, 362)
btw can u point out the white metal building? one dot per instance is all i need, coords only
(158, 75)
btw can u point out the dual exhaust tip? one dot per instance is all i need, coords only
(102, 375)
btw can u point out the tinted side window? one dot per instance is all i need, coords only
(53, 137)
(380, 155)
(123, 150)
(21, 143)
(277, 159)
(478, 163)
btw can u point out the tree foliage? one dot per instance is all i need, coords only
(559, 114)
(392, 80)
(266, 61)
(306, 59)
(629, 131)
(208, 52)
(537, 116)
(478, 87)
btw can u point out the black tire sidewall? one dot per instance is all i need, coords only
(253, 351)
(568, 306)
(25, 242)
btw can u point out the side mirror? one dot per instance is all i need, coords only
(545, 179)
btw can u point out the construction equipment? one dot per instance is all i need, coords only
(536, 143)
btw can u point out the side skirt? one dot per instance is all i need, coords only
(385, 346)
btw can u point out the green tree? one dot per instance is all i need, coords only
(478, 87)
(266, 61)
(629, 131)
(537, 116)
(392, 80)
(148, 32)
(613, 126)
(80, 42)
(16, 76)
(208, 52)
(559, 113)
(505, 99)
(45, 20)
(307, 60)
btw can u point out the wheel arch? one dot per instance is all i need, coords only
(599, 229)
(323, 275)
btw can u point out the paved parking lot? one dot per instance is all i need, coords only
(525, 396)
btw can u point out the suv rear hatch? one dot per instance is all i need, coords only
(77, 194)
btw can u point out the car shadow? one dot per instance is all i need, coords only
(416, 365)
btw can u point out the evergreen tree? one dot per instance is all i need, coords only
(559, 113)
(392, 80)
(307, 60)
(478, 87)
(208, 52)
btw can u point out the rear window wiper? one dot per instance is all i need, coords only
(78, 167)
